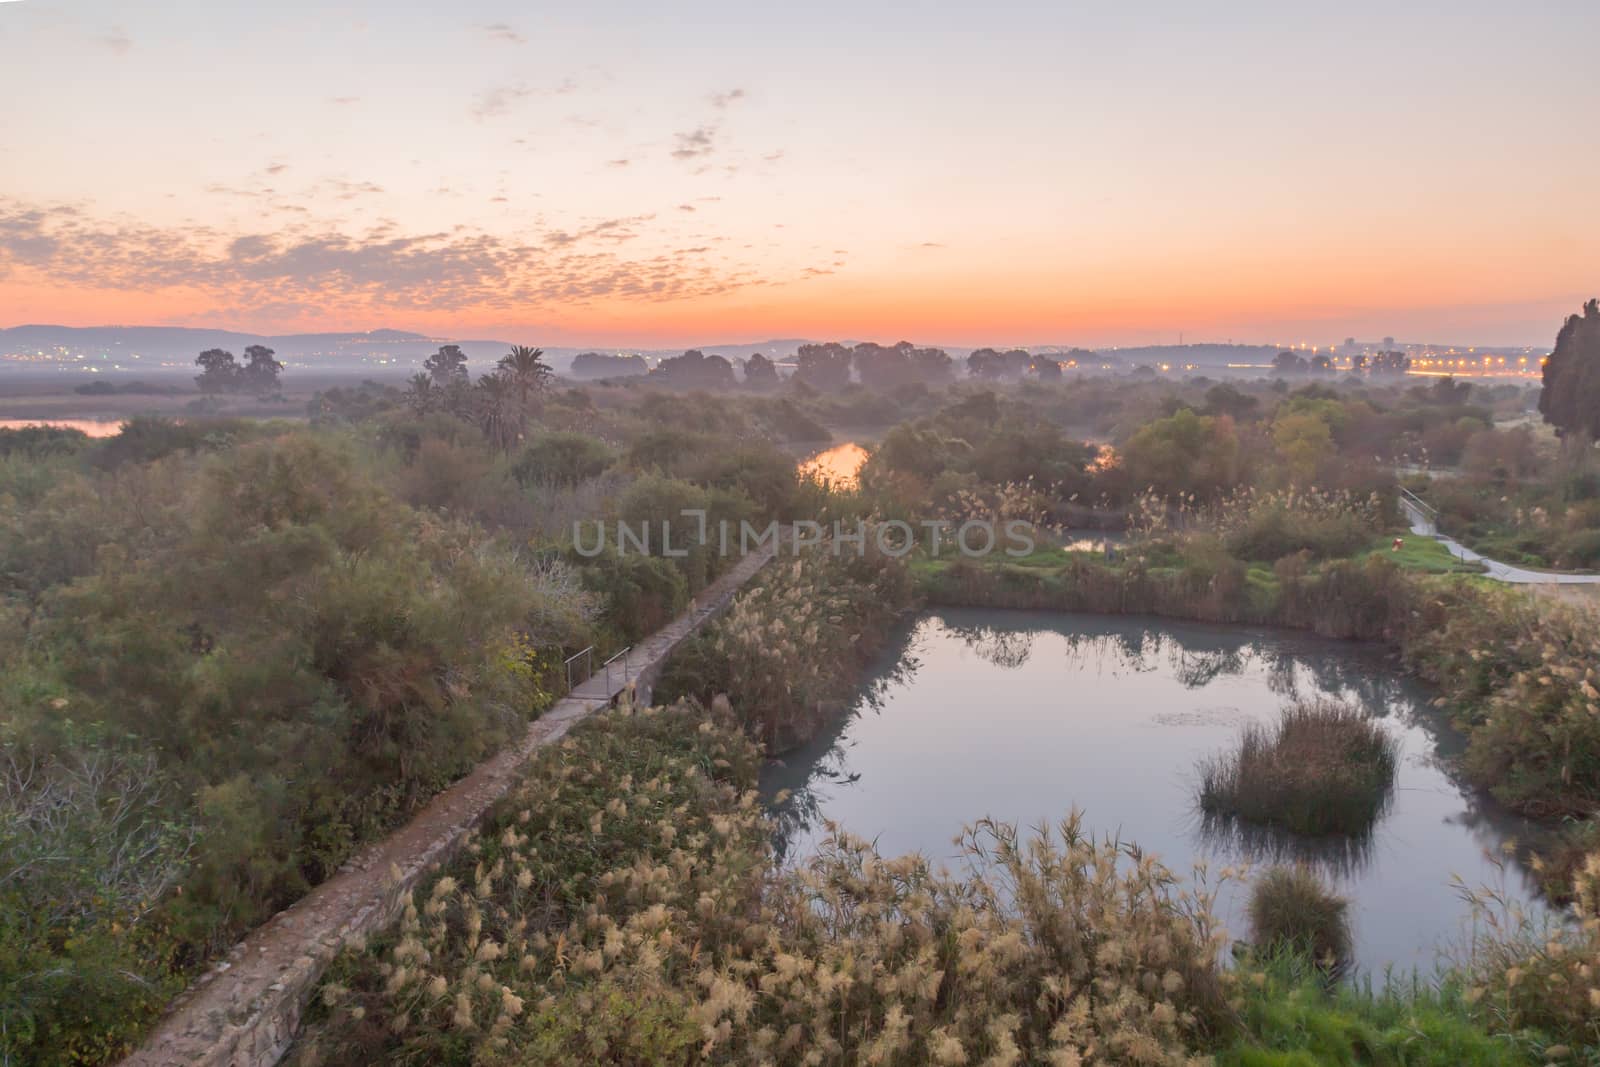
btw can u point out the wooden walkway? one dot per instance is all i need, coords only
(245, 1011)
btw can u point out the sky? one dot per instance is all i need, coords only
(649, 174)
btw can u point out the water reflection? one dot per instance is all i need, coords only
(839, 465)
(1337, 856)
(1024, 716)
(91, 427)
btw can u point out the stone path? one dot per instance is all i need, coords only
(245, 1010)
(1423, 525)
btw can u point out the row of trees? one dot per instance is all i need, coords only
(1287, 362)
(499, 403)
(220, 372)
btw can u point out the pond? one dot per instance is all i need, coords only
(1024, 715)
(91, 427)
(839, 465)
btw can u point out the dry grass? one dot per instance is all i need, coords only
(1324, 767)
(1292, 911)
(624, 908)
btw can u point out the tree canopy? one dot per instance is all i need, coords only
(1570, 399)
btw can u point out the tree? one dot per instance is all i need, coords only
(600, 365)
(696, 370)
(760, 372)
(422, 396)
(825, 367)
(260, 373)
(219, 373)
(986, 363)
(1047, 369)
(1391, 363)
(1570, 398)
(1303, 441)
(1226, 399)
(499, 413)
(1322, 364)
(1184, 453)
(530, 375)
(447, 366)
(1288, 363)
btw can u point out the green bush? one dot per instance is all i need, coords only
(562, 458)
(304, 659)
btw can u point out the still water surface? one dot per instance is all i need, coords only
(1024, 715)
(91, 427)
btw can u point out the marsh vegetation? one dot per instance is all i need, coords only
(1323, 767)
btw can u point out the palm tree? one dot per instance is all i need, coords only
(499, 415)
(530, 375)
(423, 396)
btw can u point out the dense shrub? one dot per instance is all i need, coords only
(1292, 911)
(146, 437)
(1322, 768)
(39, 441)
(1326, 525)
(639, 593)
(90, 841)
(303, 659)
(562, 458)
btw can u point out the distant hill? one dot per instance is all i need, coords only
(173, 348)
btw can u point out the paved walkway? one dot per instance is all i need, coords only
(1424, 526)
(245, 1011)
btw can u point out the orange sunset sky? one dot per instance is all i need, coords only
(655, 175)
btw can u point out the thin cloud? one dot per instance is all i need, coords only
(725, 99)
(344, 101)
(619, 162)
(318, 265)
(615, 230)
(118, 41)
(686, 207)
(501, 31)
(695, 143)
(345, 189)
(497, 100)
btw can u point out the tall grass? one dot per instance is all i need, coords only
(622, 907)
(1324, 767)
(1292, 911)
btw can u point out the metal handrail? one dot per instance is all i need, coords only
(606, 666)
(1431, 511)
(587, 655)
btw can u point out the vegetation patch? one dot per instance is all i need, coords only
(1323, 768)
(789, 650)
(1292, 911)
(622, 907)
